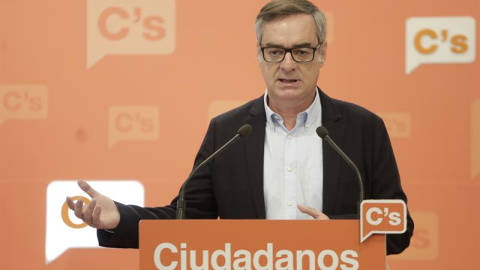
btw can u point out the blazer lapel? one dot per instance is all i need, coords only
(254, 148)
(331, 160)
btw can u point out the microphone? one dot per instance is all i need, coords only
(242, 132)
(323, 133)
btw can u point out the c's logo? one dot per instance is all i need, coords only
(126, 27)
(382, 216)
(23, 102)
(125, 122)
(439, 40)
(153, 25)
(457, 43)
(133, 123)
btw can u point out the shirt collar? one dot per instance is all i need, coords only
(312, 114)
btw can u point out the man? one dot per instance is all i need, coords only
(282, 170)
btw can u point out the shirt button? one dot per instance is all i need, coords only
(289, 168)
(290, 137)
(289, 203)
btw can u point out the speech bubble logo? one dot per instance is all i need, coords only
(64, 230)
(475, 139)
(382, 216)
(125, 27)
(132, 123)
(439, 40)
(23, 102)
(399, 124)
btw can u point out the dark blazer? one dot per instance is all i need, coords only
(231, 187)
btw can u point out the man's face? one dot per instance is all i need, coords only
(288, 82)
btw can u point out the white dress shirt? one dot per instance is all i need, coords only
(293, 163)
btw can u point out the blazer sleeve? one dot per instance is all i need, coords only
(199, 195)
(385, 184)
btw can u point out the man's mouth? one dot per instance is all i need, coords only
(288, 80)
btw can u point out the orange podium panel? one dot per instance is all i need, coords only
(258, 244)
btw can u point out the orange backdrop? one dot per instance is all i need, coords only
(120, 89)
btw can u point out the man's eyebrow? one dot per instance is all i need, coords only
(269, 44)
(305, 44)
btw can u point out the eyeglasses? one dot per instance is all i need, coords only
(299, 54)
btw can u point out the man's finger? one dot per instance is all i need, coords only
(307, 210)
(70, 203)
(79, 209)
(87, 216)
(87, 188)
(312, 212)
(96, 217)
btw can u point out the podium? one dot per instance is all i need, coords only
(258, 244)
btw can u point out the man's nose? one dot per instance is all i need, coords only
(288, 63)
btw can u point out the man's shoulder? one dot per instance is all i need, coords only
(353, 112)
(358, 121)
(242, 112)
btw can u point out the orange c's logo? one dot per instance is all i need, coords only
(133, 123)
(23, 102)
(382, 216)
(439, 40)
(125, 27)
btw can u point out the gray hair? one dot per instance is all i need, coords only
(278, 9)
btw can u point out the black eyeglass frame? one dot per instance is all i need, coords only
(290, 50)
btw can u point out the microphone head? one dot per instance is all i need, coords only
(322, 132)
(244, 131)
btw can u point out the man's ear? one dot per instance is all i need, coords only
(259, 54)
(323, 53)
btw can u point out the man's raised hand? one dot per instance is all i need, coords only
(100, 213)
